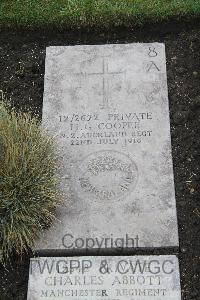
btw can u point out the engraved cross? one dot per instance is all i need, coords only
(105, 79)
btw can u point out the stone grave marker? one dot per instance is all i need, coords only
(108, 107)
(108, 278)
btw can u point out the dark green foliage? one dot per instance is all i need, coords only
(29, 180)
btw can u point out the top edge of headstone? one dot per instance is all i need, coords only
(172, 256)
(106, 45)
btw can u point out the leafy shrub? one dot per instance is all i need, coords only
(29, 180)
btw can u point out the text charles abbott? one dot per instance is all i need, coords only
(83, 277)
(71, 242)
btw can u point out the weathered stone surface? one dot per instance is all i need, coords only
(108, 106)
(108, 278)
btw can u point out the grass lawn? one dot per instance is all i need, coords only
(98, 13)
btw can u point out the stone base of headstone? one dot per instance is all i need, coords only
(105, 278)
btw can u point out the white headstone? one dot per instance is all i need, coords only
(108, 107)
(108, 278)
